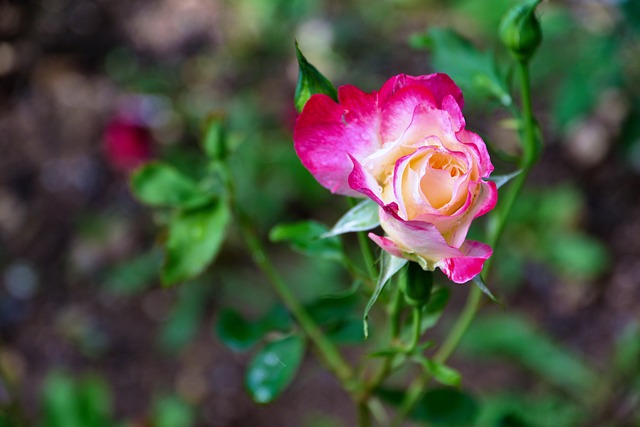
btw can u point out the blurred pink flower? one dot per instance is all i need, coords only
(127, 144)
(406, 148)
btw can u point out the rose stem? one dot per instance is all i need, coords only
(530, 142)
(328, 352)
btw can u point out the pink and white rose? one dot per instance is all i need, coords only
(405, 147)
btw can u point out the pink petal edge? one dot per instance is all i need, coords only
(466, 267)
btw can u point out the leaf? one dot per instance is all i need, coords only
(94, 402)
(273, 368)
(477, 279)
(171, 411)
(514, 338)
(214, 141)
(390, 265)
(626, 360)
(545, 409)
(60, 401)
(440, 407)
(134, 276)
(335, 314)
(363, 216)
(441, 373)
(195, 237)
(310, 82)
(185, 317)
(474, 71)
(240, 334)
(501, 180)
(305, 237)
(235, 332)
(159, 184)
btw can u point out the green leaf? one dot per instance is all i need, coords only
(235, 332)
(214, 141)
(545, 409)
(60, 405)
(447, 407)
(310, 82)
(171, 411)
(440, 407)
(134, 276)
(182, 324)
(94, 402)
(474, 71)
(441, 373)
(159, 184)
(239, 334)
(195, 237)
(273, 368)
(336, 317)
(363, 216)
(626, 360)
(514, 338)
(390, 265)
(305, 237)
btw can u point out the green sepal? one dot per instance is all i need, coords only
(390, 265)
(310, 82)
(480, 284)
(363, 216)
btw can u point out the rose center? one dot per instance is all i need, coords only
(439, 181)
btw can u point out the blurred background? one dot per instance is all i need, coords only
(91, 89)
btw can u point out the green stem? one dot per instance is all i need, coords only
(328, 352)
(496, 228)
(396, 310)
(364, 415)
(394, 332)
(416, 332)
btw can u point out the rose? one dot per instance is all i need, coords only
(406, 148)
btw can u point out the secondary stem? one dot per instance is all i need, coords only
(328, 352)
(496, 228)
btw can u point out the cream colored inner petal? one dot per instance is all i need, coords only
(441, 182)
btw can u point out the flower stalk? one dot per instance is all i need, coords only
(497, 223)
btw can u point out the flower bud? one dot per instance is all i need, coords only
(520, 30)
(417, 287)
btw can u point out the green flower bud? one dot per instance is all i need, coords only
(417, 287)
(520, 30)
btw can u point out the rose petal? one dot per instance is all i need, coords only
(387, 245)
(463, 268)
(439, 84)
(326, 132)
(397, 112)
(474, 141)
(420, 238)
